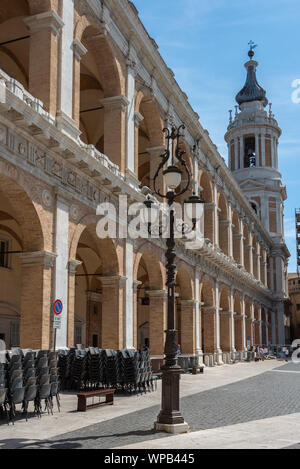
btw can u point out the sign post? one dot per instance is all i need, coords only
(57, 309)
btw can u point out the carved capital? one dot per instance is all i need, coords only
(49, 19)
(115, 102)
(38, 258)
(79, 49)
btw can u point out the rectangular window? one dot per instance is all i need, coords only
(298, 307)
(15, 334)
(78, 335)
(4, 248)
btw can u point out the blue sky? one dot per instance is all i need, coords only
(205, 42)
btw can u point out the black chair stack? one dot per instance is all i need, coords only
(64, 365)
(94, 363)
(54, 379)
(110, 363)
(30, 382)
(16, 389)
(79, 370)
(3, 391)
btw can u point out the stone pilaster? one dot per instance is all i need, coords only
(158, 320)
(36, 299)
(43, 73)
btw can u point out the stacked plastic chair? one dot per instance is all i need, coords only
(110, 365)
(54, 379)
(78, 370)
(3, 391)
(16, 389)
(30, 382)
(94, 363)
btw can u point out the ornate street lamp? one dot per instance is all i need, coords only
(170, 418)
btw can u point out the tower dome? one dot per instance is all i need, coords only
(251, 91)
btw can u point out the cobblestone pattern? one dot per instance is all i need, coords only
(267, 395)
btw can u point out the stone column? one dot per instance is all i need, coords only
(250, 248)
(236, 154)
(263, 150)
(244, 338)
(138, 118)
(43, 57)
(157, 321)
(115, 114)
(280, 323)
(64, 113)
(131, 174)
(129, 300)
(257, 155)
(216, 216)
(273, 328)
(136, 284)
(267, 329)
(242, 261)
(242, 151)
(218, 338)
(258, 262)
(112, 311)
(198, 324)
(36, 299)
(260, 325)
(61, 266)
(73, 264)
(188, 327)
(232, 330)
(230, 234)
(79, 51)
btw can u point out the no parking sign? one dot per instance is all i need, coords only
(57, 309)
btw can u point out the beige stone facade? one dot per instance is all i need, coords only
(84, 96)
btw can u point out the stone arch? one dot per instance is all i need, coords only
(185, 311)
(149, 139)
(207, 194)
(14, 57)
(27, 212)
(225, 320)
(150, 311)
(99, 104)
(27, 267)
(223, 224)
(96, 290)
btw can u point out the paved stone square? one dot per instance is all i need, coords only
(247, 395)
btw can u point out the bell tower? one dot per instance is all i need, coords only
(252, 138)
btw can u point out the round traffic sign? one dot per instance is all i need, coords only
(57, 307)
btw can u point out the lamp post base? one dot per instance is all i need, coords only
(175, 429)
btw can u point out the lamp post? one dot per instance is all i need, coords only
(170, 419)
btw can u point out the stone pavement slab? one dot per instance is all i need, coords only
(273, 433)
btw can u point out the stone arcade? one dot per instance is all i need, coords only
(84, 96)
